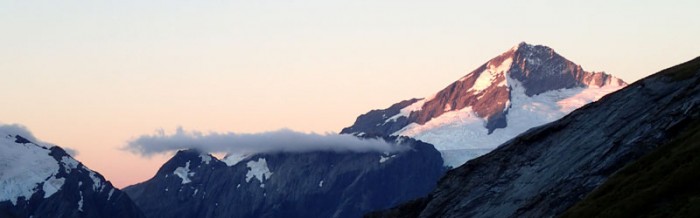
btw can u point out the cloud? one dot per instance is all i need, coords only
(281, 140)
(72, 152)
(17, 129)
(21, 130)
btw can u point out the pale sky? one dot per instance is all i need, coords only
(91, 75)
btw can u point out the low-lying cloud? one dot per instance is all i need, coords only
(17, 129)
(283, 140)
(72, 152)
(21, 130)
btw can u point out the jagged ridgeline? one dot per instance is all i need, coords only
(526, 86)
(661, 184)
(549, 169)
(289, 184)
(39, 180)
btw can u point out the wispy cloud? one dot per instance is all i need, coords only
(17, 129)
(280, 140)
(21, 130)
(72, 152)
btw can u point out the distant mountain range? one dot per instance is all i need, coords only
(632, 153)
(289, 184)
(526, 86)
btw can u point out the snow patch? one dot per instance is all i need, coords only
(24, 167)
(487, 76)
(383, 158)
(258, 170)
(205, 158)
(585, 96)
(96, 181)
(406, 111)
(52, 186)
(184, 173)
(109, 196)
(69, 163)
(80, 203)
(233, 159)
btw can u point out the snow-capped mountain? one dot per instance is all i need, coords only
(546, 170)
(38, 180)
(289, 184)
(526, 86)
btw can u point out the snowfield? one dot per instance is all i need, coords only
(460, 135)
(26, 167)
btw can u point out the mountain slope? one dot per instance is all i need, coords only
(524, 87)
(661, 184)
(546, 170)
(302, 184)
(44, 181)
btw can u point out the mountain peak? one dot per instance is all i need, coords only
(539, 68)
(630, 140)
(526, 48)
(525, 86)
(522, 46)
(542, 69)
(189, 159)
(488, 90)
(37, 178)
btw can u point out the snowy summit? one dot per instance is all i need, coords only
(37, 178)
(526, 86)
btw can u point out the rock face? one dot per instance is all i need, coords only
(44, 181)
(309, 184)
(527, 86)
(546, 170)
(660, 184)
